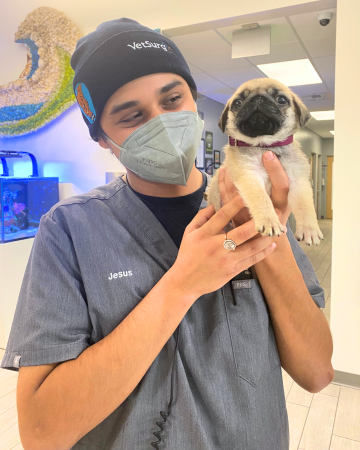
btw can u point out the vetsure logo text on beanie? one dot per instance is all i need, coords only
(147, 44)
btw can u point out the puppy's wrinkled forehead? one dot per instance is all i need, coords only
(270, 90)
(261, 85)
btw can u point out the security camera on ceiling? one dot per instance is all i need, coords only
(324, 18)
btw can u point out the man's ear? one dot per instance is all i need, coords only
(301, 110)
(102, 143)
(223, 118)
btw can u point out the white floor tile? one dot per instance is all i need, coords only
(347, 423)
(297, 417)
(287, 382)
(339, 443)
(319, 424)
(332, 389)
(10, 438)
(299, 396)
(7, 386)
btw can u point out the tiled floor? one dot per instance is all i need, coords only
(329, 420)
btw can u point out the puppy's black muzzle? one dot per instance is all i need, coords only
(258, 117)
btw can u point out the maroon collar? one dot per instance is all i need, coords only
(287, 141)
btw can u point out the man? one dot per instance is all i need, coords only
(114, 273)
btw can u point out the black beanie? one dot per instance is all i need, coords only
(117, 52)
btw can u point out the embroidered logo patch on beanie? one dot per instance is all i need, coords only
(84, 99)
(163, 45)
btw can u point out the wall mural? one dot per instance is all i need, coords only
(44, 89)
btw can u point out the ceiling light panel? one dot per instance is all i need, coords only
(323, 115)
(292, 73)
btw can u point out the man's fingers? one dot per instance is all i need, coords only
(218, 221)
(279, 179)
(222, 187)
(230, 187)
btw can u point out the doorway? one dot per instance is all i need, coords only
(329, 211)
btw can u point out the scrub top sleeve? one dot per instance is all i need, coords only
(51, 321)
(307, 270)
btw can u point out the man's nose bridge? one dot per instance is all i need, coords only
(156, 111)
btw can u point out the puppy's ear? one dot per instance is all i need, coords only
(223, 118)
(301, 110)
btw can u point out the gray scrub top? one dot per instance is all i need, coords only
(228, 389)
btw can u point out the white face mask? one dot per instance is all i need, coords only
(163, 149)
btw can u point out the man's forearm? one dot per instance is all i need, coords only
(79, 394)
(302, 333)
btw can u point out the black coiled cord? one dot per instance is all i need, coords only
(163, 414)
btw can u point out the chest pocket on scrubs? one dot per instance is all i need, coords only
(251, 332)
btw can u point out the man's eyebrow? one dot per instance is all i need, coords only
(168, 87)
(117, 108)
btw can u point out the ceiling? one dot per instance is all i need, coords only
(207, 50)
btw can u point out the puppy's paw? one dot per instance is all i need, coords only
(269, 226)
(308, 235)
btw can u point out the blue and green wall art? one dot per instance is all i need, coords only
(44, 89)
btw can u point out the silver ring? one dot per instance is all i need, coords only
(229, 244)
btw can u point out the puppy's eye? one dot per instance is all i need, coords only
(237, 103)
(281, 100)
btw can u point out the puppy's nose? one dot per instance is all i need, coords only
(258, 99)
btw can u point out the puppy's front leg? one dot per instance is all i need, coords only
(253, 192)
(301, 201)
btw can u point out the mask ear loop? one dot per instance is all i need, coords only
(107, 137)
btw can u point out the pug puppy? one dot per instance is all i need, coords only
(263, 115)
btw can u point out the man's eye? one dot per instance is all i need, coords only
(172, 100)
(175, 98)
(131, 118)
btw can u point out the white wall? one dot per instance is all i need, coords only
(328, 147)
(345, 283)
(310, 141)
